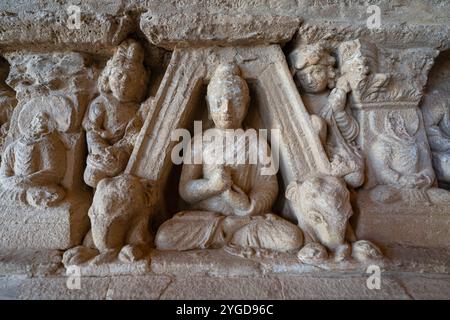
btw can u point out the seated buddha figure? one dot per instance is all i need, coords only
(113, 118)
(230, 200)
(402, 166)
(436, 117)
(34, 165)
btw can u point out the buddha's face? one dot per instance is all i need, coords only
(228, 106)
(39, 125)
(124, 86)
(313, 79)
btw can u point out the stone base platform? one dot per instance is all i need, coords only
(59, 227)
(409, 273)
(418, 225)
(279, 287)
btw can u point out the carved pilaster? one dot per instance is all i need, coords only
(382, 81)
(46, 149)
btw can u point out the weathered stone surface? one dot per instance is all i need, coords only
(48, 26)
(409, 224)
(392, 286)
(169, 30)
(28, 227)
(141, 287)
(56, 288)
(222, 288)
(357, 118)
(350, 287)
(29, 262)
(202, 262)
(425, 287)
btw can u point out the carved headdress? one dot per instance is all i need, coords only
(129, 56)
(306, 55)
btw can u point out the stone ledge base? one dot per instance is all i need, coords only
(393, 286)
(58, 227)
(411, 273)
(418, 226)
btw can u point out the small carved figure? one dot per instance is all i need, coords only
(313, 69)
(7, 103)
(113, 119)
(436, 116)
(324, 203)
(402, 166)
(231, 200)
(119, 217)
(34, 165)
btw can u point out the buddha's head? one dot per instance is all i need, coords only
(125, 75)
(312, 67)
(227, 97)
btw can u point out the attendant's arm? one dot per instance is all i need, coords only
(93, 124)
(347, 125)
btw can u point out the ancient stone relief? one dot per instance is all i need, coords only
(43, 159)
(231, 201)
(120, 210)
(7, 103)
(93, 147)
(325, 211)
(436, 116)
(34, 165)
(113, 119)
(314, 73)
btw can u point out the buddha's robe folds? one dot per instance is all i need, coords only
(215, 222)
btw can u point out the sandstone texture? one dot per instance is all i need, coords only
(224, 149)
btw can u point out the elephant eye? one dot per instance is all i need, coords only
(316, 217)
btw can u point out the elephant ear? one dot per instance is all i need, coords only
(151, 191)
(292, 191)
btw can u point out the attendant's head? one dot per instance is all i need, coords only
(312, 67)
(125, 75)
(228, 97)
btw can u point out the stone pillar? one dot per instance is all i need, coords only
(388, 83)
(59, 86)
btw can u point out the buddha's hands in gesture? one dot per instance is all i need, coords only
(220, 180)
(238, 200)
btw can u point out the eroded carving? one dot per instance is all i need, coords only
(325, 208)
(33, 166)
(114, 119)
(232, 200)
(314, 73)
(121, 207)
(45, 151)
(7, 103)
(436, 117)
(119, 217)
(401, 163)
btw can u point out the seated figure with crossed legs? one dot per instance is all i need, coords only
(231, 202)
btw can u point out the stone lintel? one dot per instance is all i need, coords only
(175, 30)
